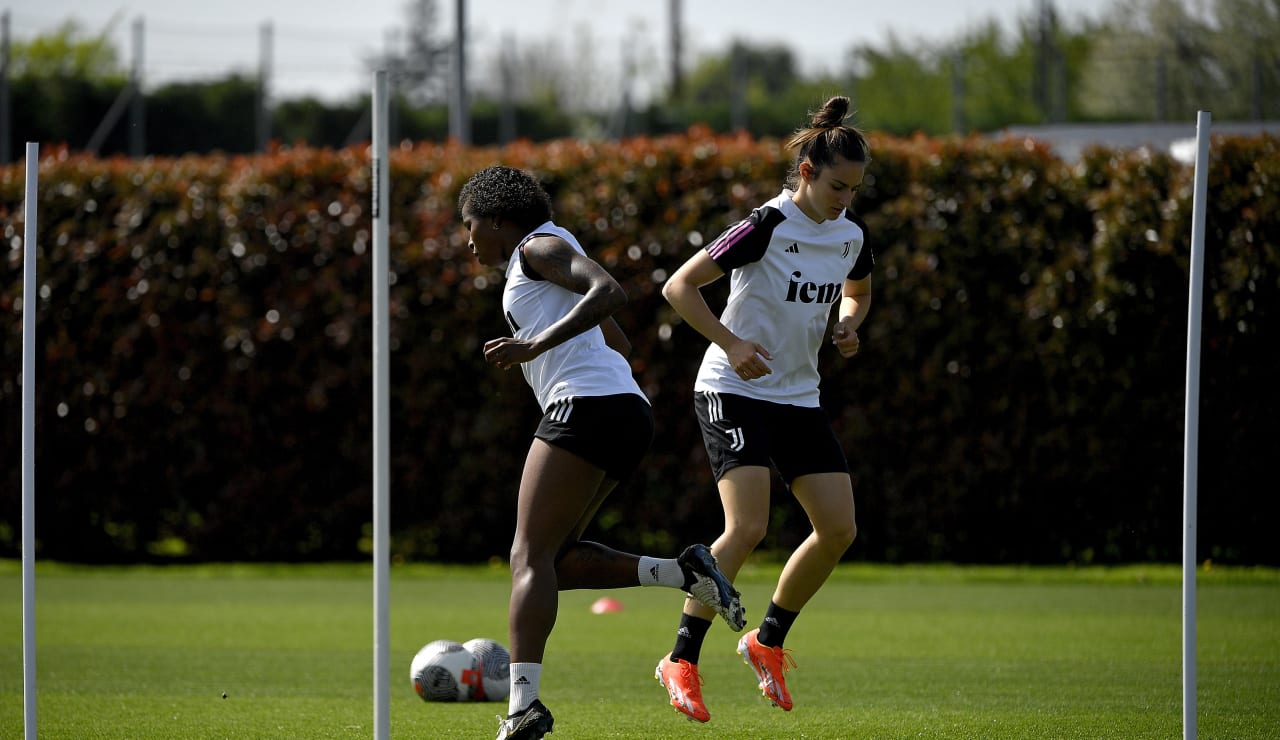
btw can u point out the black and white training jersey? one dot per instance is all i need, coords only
(583, 365)
(786, 271)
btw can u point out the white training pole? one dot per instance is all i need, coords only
(1191, 429)
(29, 443)
(381, 424)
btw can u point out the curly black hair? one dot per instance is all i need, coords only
(512, 194)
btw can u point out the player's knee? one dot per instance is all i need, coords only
(837, 536)
(746, 535)
(524, 555)
(516, 555)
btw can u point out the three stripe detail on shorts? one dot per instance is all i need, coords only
(560, 410)
(715, 414)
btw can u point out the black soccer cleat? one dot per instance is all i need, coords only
(707, 584)
(530, 724)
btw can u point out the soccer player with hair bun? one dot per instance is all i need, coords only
(791, 262)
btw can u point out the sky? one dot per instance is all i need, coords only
(319, 47)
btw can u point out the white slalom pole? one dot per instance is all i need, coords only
(29, 291)
(381, 421)
(1191, 429)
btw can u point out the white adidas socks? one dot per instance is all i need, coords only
(524, 686)
(659, 572)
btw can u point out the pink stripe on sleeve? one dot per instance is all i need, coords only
(730, 238)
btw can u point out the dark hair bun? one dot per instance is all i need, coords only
(832, 114)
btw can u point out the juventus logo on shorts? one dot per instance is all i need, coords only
(560, 410)
(715, 414)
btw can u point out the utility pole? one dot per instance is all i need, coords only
(1256, 102)
(739, 79)
(1045, 60)
(130, 97)
(677, 41)
(622, 117)
(459, 114)
(137, 104)
(958, 123)
(398, 70)
(1162, 87)
(6, 121)
(507, 119)
(263, 115)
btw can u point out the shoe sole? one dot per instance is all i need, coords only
(729, 607)
(537, 733)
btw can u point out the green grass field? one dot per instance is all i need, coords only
(882, 652)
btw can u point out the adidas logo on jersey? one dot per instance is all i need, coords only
(794, 248)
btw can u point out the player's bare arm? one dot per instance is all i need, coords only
(559, 263)
(683, 290)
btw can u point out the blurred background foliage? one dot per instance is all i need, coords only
(203, 384)
(1142, 61)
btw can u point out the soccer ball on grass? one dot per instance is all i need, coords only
(444, 670)
(495, 669)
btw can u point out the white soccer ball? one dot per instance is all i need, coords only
(495, 669)
(443, 670)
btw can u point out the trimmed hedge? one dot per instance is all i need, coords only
(203, 387)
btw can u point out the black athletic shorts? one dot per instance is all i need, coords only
(610, 432)
(738, 430)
